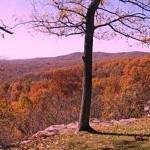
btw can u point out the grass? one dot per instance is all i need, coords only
(107, 138)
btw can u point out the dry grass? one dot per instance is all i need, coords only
(108, 138)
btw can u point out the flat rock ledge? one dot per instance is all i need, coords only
(62, 129)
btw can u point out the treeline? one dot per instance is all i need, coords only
(10, 70)
(120, 90)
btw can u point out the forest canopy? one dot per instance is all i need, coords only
(37, 100)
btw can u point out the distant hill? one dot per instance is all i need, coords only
(12, 69)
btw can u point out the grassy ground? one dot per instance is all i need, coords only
(108, 138)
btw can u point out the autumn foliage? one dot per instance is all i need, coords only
(37, 100)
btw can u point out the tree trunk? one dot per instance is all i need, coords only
(87, 73)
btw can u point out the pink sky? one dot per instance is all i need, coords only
(23, 44)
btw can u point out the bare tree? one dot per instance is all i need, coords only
(93, 18)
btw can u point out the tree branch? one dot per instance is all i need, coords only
(5, 30)
(138, 4)
(69, 18)
(136, 15)
(126, 35)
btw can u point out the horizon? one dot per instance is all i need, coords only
(74, 53)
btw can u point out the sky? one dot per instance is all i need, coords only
(25, 43)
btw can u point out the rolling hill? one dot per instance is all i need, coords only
(12, 69)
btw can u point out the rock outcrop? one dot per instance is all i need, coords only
(62, 129)
(147, 108)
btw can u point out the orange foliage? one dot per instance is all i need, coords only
(120, 90)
